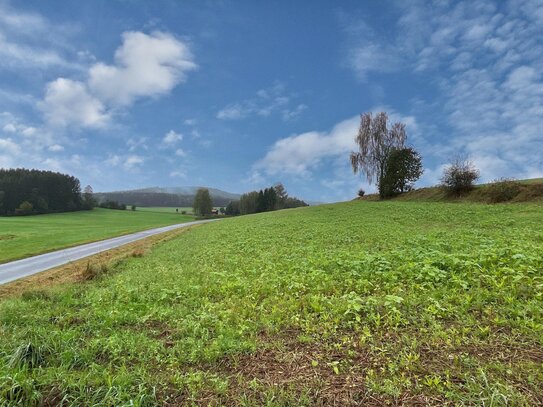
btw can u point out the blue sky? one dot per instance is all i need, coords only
(239, 95)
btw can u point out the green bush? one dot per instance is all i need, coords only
(503, 190)
(459, 177)
(25, 208)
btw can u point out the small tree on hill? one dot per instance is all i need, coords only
(202, 202)
(88, 198)
(459, 176)
(375, 142)
(403, 168)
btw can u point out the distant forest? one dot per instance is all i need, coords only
(155, 198)
(27, 192)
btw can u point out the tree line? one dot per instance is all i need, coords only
(146, 198)
(27, 192)
(264, 200)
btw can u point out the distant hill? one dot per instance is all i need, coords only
(165, 196)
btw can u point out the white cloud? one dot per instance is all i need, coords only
(172, 138)
(300, 153)
(52, 164)
(7, 146)
(180, 152)
(14, 55)
(136, 143)
(113, 160)
(145, 65)
(10, 128)
(133, 161)
(292, 114)
(69, 102)
(235, 111)
(368, 58)
(266, 102)
(14, 126)
(178, 174)
(29, 41)
(55, 148)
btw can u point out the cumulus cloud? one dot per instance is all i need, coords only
(133, 161)
(300, 153)
(69, 102)
(172, 138)
(146, 65)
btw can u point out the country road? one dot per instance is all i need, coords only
(25, 267)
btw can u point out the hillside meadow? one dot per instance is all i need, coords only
(23, 236)
(358, 303)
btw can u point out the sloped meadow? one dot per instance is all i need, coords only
(369, 303)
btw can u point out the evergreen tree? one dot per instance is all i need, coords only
(232, 209)
(261, 202)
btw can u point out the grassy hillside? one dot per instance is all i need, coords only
(529, 190)
(29, 235)
(358, 303)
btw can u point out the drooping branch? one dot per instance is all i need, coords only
(375, 142)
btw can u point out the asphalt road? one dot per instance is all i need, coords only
(36, 264)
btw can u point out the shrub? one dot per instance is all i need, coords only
(25, 208)
(113, 205)
(361, 192)
(502, 190)
(459, 177)
(183, 212)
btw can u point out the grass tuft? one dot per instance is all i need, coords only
(29, 356)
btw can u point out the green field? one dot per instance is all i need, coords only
(164, 209)
(23, 236)
(358, 303)
(168, 209)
